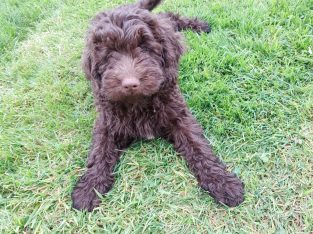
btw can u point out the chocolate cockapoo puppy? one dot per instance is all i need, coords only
(131, 59)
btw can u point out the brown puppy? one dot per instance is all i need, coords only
(131, 59)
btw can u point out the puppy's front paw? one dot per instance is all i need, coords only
(228, 190)
(84, 199)
(232, 192)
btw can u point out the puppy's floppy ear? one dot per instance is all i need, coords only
(86, 64)
(90, 67)
(95, 72)
(172, 43)
(173, 48)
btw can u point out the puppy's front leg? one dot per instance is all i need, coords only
(187, 137)
(103, 156)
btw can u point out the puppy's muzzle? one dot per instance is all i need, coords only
(130, 84)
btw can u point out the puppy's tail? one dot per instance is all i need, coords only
(148, 4)
(182, 23)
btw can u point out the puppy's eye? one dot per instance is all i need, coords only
(110, 67)
(143, 78)
(144, 48)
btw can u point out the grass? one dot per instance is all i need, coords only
(249, 83)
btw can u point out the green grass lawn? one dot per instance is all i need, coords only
(249, 83)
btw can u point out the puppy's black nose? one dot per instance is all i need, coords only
(130, 83)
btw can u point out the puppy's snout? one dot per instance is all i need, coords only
(130, 83)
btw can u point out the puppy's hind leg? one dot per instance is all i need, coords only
(183, 23)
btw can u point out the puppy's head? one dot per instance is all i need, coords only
(129, 54)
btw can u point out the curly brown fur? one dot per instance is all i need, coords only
(131, 59)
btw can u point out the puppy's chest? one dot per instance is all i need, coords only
(145, 129)
(140, 124)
